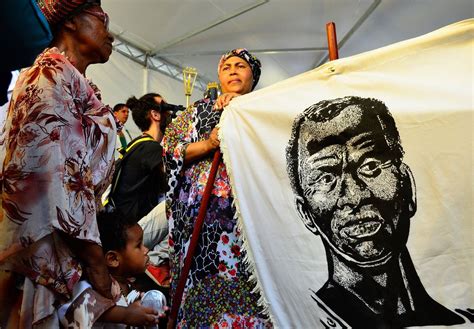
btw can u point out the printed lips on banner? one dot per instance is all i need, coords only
(353, 184)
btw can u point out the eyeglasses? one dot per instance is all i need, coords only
(100, 15)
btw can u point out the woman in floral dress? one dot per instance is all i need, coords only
(218, 293)
(56, 156)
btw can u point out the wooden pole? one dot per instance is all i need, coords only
(178, 294)
(332, 41)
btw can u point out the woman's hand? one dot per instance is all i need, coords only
(213, 141)
(223, 100)
(197, 150)
(115, 290)
(99, 277)
(93, 261)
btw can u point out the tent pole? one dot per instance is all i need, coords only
(332, 41)
(145, 76)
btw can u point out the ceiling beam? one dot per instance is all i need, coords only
(156, 63)
(253, 51)
(209, 26)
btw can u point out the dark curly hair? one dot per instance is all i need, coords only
(113, 227)
(141, 109)
(119, 106)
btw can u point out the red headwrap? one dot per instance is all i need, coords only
(56, 11)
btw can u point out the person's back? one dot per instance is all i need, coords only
(142, 180)
(139, 186)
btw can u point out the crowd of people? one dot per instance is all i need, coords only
(87, 209)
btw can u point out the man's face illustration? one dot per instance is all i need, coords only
(351, 184)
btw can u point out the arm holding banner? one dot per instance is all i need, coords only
(194, 184)
(197, 150)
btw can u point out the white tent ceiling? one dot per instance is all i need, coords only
(287, 35)
(155, 39)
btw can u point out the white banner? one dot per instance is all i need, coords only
(351, 218)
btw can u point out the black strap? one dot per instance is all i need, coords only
(123, 156)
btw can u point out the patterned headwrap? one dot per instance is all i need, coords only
(56, 11)
(243, 53)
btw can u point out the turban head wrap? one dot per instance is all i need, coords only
(243, 53)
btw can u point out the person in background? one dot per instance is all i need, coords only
(121, 112)
(139, 190)
(142, 182)
(56, 155)
(217, 292)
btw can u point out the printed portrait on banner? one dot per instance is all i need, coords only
(353, 190)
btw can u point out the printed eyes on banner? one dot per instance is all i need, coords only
(323, 179)
(371, 167)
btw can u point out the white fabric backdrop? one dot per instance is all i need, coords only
(427, 84)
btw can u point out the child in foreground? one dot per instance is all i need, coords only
(126, 257)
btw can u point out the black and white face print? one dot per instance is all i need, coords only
(345, 164)
(352, 187)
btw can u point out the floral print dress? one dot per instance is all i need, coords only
(56, 159)
(218, 293)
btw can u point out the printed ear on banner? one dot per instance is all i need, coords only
(306, 216)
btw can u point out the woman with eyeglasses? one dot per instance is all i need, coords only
(56, 155)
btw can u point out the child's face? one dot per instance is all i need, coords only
(134, 256)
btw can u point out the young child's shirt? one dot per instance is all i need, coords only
(86, 305)
(82, 311)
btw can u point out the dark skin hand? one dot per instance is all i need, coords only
(198, 150)
(133, 315)
(93, 261)
(224, 100)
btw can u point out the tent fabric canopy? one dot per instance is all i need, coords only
(288, 37)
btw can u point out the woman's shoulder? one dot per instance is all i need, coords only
(203, 103)
(191, 111)
(54, 57)
(51, 66)
(204, 108)
(50, 70)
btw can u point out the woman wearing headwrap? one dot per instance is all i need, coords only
(56, 155)
(217, 292)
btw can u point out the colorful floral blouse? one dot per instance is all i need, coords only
(218, 291)
(56, 156)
